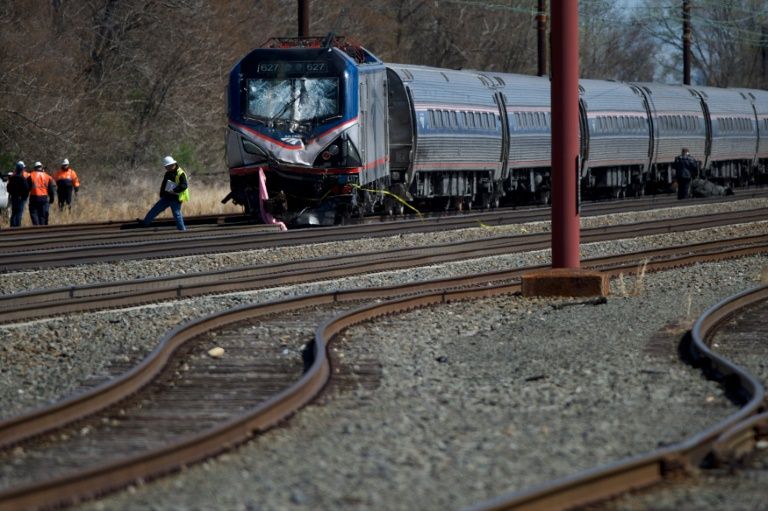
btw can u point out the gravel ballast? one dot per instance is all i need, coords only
(463, 397)
(14, 282)
(481, 399)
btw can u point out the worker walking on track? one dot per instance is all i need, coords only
(174, 191)
(18, 192)
(66, 181)
(41, 193)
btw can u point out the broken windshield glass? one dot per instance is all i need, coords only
(293, 99)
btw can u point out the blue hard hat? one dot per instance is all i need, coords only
(20, 165)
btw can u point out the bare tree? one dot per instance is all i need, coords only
(613, 46)
(729, 46)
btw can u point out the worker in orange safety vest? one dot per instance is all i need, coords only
(66, 181)
(41, 193)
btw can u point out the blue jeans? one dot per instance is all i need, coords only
(161, 206)
(17, 210)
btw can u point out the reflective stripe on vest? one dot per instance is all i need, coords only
(183, 196)
(40, 182)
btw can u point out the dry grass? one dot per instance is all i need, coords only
(764, 276)
(99, 202)
(638, 285)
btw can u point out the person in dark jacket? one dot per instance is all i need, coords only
(18, 192)
(42, 190)
(174, 191)
(686, 168)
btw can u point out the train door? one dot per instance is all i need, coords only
(377, 116)
(364, 127)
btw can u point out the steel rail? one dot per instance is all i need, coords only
(115, 225)
(97, 480)
(725, 440)
(16, 307)
(180, 244)
(534, 212)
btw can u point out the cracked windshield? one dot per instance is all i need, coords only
(293, 99)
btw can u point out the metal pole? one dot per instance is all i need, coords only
(565, 133)
(686, 42)
(303, 18)
(541, 30)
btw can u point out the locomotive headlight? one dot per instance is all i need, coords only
(333, 149)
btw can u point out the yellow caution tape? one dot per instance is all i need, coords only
(385, 192)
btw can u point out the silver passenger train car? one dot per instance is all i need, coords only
(382, 135)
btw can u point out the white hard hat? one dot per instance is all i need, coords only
(65, 161)
(168, 160)
(38, 164)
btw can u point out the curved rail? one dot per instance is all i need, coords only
(717, 443)
(99, 479)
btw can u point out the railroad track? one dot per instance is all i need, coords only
(44, 303)
(167, 364)
(36, 248)
(725, 443)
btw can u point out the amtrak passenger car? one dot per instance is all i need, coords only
(338, 132)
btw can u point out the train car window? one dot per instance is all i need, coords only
(493, 121)
(464, 119)
(454, 120)
(445, 120)
(431, 118)
(518, 122)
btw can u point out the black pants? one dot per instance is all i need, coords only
(38, 209)
(64, 193)
(683, 187)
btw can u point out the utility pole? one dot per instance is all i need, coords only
(565, 134)
(541, 30)
(303, 18)
(565, 278)
(686, 42)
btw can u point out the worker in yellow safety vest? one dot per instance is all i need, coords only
(174, 191)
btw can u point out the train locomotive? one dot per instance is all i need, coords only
(339, 133)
